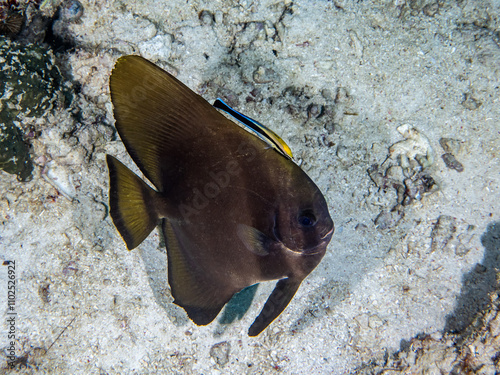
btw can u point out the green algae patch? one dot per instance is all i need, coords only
(30, 86)
(14, 152)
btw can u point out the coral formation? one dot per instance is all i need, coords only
(30, 85)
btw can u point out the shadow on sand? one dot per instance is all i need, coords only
(477, 283)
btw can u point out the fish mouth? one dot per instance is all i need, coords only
(328, 235)
(318, 249)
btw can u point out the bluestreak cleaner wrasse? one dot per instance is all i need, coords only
(267, 135)
(234, 212)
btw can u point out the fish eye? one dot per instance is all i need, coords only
(307, 219)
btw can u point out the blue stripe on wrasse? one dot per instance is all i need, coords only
(266, 134)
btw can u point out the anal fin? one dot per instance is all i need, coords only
(194, 291)
(278, 300)
(202, 315)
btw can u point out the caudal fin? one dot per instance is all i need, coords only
(132, 203)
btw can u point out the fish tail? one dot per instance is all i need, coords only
(132, 203)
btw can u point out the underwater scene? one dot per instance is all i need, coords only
(250, 187)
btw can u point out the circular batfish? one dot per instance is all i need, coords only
(234, 211)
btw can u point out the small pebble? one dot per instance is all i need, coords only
(428, 183)
(461, 250)
(443, 232)
(314, 111)
(324, 141)
(479, 268)
(228, 96)
(265, 75)
(70, 269)
(452, 163)
(60, 177)
(44, 292)
(471, 103)
(219, 17)
(386, 220)
(431, 9)
(362, 228)
(342, 95)
(416, 187)
(327, 94)
(220, 352)
(374, 322)
(342, 153)
(71, 11)
(450, 145)
(206, 18)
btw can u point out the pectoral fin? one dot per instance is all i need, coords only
(278, 300)
(253, 239)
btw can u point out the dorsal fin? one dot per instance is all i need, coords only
(155, 114)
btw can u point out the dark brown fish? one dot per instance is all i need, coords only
(234, 211)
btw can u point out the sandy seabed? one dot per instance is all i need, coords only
(391, 107)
